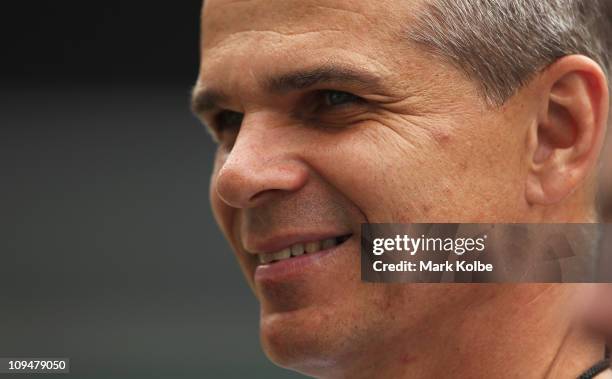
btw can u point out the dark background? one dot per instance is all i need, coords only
(109, 252)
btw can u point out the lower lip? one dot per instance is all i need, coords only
(296, 266)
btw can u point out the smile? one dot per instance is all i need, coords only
(300, 249)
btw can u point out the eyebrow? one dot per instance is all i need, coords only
(300, 80)
(208, 99)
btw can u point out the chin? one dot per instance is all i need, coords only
(307, 340)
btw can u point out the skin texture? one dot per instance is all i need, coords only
(420, 145)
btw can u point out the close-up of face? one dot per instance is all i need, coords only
(328, 117)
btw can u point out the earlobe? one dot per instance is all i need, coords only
(566, 139)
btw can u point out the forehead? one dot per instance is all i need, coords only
(266, 33)
(290, 17)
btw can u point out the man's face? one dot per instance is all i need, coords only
(328, 118)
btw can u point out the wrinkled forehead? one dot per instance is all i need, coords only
(263, 36)
(222, 18)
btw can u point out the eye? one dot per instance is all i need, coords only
(228, 120)
(337, 98)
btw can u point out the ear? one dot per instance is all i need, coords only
(566, 139)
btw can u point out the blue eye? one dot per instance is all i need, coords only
(335, 98)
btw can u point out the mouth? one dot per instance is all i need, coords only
(300, 249)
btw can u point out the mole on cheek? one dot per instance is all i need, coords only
(440, 136)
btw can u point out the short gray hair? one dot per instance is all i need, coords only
(502, 44)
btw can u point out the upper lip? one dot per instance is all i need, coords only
(278, 242)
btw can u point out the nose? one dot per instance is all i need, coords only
(259, 167)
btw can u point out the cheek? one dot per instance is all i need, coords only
(461, 172)
(388, 176)
(480, 175)
(490, 171)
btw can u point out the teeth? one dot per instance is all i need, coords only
(266, 258)
(328, 243)
(297, 250)
(313, 247)
(283, 254)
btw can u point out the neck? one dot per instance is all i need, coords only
(524, 330)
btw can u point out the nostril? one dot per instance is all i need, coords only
(262, 195)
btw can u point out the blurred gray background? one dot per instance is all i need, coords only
(110, 255)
